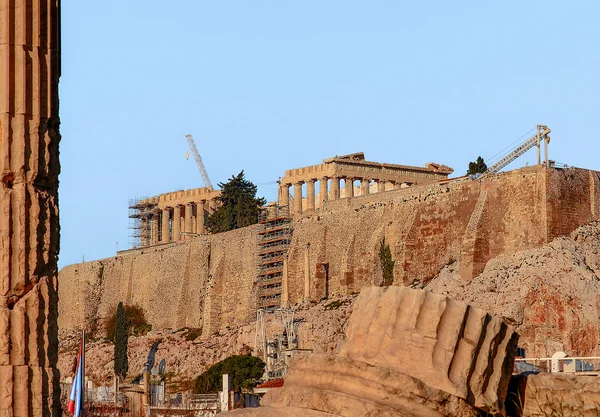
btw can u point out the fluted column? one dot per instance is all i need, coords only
(284, 189)
(29, 216)
(364, 186)
(177, 223)
(310, 195)
(155, 226)
(200, 217)
(298, 198)
(166, 229)
(323, 191)
(380, 186)
(335, 188)
(188, 220)
(349, 187)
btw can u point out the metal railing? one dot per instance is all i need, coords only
(581, 365)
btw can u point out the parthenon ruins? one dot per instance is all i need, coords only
(351, 168)
(180, 215)
(172, 217)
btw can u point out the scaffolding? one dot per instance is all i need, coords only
(141, 217)
(276, 343)
(273, 244)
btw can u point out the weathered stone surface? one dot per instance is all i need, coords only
(344, 387)
(549, 294)
(562, 395)
(444, 343)
(29, 229)
(408, 353)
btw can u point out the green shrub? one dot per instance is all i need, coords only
(244, 372)
(137, 325)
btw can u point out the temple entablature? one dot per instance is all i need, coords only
(173, 216)
(371, 177)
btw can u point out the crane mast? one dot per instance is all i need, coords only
(536, 140)
(199, 162)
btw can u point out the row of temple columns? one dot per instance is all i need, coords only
(325, 193)
(166, 224)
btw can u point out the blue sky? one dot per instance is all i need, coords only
(266, 86)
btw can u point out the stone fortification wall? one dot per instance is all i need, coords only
(210, 281)
(430, 227)
(205, 282)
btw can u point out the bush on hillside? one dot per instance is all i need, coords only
(137, 325)
(244, 372)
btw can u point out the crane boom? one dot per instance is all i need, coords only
(541, 135)
(199, 162)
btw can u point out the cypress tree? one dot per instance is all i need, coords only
(120, 340)
(387, 264)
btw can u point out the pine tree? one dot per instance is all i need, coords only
(238, 205)
(477, 167)
(120, 340)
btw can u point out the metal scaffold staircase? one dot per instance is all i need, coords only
(273, 244)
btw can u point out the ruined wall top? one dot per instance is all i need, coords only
(355, 166)
(182, 197)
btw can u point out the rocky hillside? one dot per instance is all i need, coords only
(321, 328)
(551, 295)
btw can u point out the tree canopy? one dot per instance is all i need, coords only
(477, 167)
(238, 205)
(244, 371)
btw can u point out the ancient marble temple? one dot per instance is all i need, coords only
(29, 228)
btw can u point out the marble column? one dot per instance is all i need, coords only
(298, 198)
(29, 214)
(188, 220)
(323, 192)
(200, 217)
(349, 187)
(380, 186)
(177, 223)
(284, 189)
(310, 195)
(155, 226)
(335, 188)
(364, 186)
(166, 214)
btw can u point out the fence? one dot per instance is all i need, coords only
(573, 365)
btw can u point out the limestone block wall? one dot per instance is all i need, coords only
(429, 227)
(205, 282)
(209, 281)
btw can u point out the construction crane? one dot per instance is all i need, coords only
(542, 134)
(199, 162)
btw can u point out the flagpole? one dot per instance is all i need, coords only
(84, 387)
